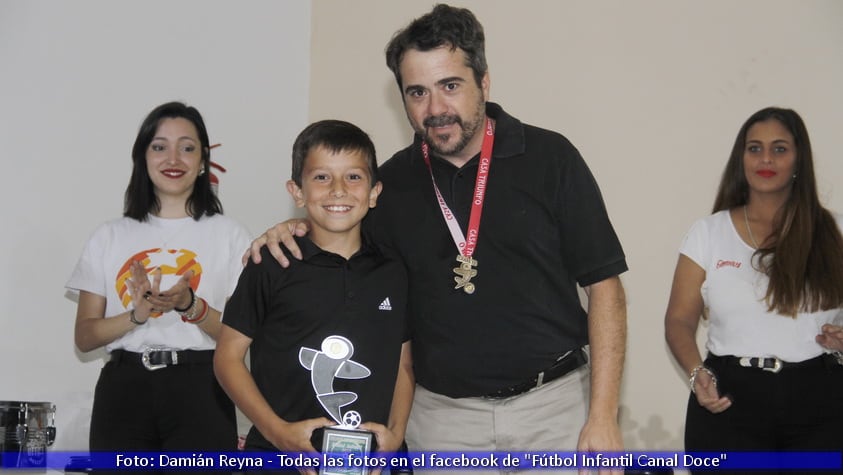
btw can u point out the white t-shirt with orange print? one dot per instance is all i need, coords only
(212, 247)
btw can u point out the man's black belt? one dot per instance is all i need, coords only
(563, 365)
(158, 358)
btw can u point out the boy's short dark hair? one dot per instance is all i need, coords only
(335, 136)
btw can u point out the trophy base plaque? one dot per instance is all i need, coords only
(350, 448)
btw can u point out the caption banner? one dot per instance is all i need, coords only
(467, 461)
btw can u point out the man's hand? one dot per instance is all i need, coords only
(601, 436)
(280, 233)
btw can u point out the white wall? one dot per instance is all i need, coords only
(652, 92)
(76, 80)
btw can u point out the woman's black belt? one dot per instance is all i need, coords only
(158, 358)
(774, 365)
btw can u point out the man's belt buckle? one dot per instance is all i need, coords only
(773, 365)
(145, 358)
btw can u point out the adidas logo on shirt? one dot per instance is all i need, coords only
(385, 305)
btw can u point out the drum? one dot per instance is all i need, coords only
(26, 430)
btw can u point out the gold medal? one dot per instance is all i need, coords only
(465, 272)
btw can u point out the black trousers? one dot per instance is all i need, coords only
(177, 408)
(797, 409)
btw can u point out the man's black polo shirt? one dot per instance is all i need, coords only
(544, 229)
(363, 299)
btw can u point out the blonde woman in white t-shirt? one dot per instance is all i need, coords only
(766, 269)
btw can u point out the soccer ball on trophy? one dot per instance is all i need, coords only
(351, 419)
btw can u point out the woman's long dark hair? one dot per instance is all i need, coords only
(804, 258)
(140, 199)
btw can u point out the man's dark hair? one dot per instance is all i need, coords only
(443, 26)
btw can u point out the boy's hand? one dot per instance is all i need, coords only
(388, 442)
(280, 233)
(295, 437)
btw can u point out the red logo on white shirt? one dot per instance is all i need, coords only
(722, 263)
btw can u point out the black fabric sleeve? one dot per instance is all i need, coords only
(247, 307)
(590, 243)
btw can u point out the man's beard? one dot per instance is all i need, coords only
(468, 129)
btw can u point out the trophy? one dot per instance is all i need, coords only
(344, 439)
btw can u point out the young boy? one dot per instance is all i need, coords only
(344, 292)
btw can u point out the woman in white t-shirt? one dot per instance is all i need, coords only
(151, 287)
(766, 269)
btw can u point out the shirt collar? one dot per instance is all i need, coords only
(314, 254)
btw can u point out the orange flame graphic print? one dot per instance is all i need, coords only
(171, 262)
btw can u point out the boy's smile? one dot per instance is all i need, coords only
(337, 192)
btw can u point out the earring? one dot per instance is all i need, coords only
(794, 176)
(202, 171)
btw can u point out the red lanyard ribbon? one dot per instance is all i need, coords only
(466, 246)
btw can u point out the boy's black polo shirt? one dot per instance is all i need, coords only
(282, 310)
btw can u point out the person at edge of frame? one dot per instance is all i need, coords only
(766, 270)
